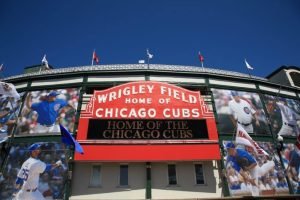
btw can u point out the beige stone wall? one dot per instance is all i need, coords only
(186, 183)
(110, 189)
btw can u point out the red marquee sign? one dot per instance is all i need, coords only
(138, 110)
(146, 100)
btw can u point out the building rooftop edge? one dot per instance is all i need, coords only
(122, 67)
(282, 68)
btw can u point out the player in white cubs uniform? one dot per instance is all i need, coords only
(242, 112)
(29, 174)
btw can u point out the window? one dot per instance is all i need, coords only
(295, 76)
(95, 180)
(199, 174)
(172, 174)
(123, 175)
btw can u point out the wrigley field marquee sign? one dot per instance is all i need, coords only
(144, 110)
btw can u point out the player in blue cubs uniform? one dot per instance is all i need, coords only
(29, 174)
(244, 162)
(48, 112)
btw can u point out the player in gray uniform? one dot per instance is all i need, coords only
(289, 120)
(242, 112)
(29, 174)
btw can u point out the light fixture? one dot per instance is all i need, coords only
(279, 143)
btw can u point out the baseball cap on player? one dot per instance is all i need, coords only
(234, 93)
(34, 147)
(52, 94)
(230, 145)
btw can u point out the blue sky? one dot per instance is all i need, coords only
(265, 32)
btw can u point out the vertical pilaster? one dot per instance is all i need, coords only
(148, 181)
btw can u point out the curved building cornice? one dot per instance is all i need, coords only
(135, 67)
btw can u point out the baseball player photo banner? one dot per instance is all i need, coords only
(291, 160)
(249, 173)
(35, 171)
(10, 104)
(238, 107)
(9, 90)
(284, 115)
(43, 111)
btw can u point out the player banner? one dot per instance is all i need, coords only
(10, 104)
(284, 115)
(9, 90)
(43, 111)
(35, 171)
(291, 160)
(237, 107)
(242, 137)
(249, 173)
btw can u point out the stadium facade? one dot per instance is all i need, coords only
(156, 132)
